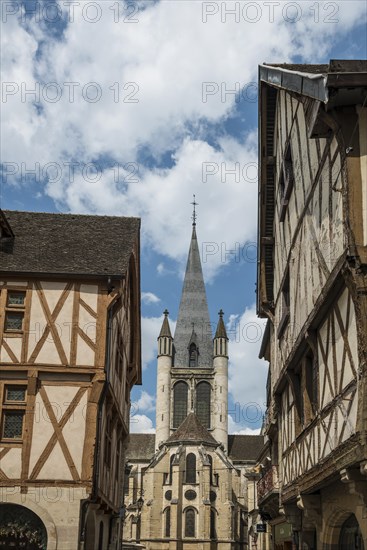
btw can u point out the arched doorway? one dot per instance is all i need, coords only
(350, 535)
(21, 528)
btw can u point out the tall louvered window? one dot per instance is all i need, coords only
(193, 356)
(210, 469)
(203, 403)
(180, 392)
(171, 469)
(213, 532)
(190, 522)
(191, 468)
(167, 525)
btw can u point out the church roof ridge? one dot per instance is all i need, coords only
(192, 431)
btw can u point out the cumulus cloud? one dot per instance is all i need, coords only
(150, 328)
(247, 373)
(145, 403)
(235, 428)
(149, 298)
(149, 90)
(140, 423)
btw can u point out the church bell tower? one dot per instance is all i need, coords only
(192, 367)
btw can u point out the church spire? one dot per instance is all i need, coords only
(193, 309)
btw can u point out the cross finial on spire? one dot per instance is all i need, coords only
(166, 312)
(221, 313)
(194, 203)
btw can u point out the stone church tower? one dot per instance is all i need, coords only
(187, 488)
(192, 368)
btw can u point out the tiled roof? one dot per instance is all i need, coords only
(141, 447)
(191, 429)
(240, 447)
(245, 447)
(68, 243)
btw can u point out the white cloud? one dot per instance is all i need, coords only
(140, 423)
(247, 373)
(149, 298)
(167, 59)
(145, 403)
(150, 328)
(235, 428)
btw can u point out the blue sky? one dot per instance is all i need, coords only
(130, 108)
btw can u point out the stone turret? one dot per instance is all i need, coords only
(164, 365)
(220, 364)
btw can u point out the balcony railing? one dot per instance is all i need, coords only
(269, 483)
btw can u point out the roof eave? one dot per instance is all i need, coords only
(62, 275)
(309, 84)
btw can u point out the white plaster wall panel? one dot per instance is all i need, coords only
(283, 127)
(87, 323)
(293, 219)
(52, 291)
(37, 324)
(15, 345)
(352, 336)
(85, 354)
(89, 293)
(313, 158)
(74, 433)
(55, 466)
(42, 432)
(11, 463)
(288, 101)
(64, 323)
(61, 396)
(48, 353)
(333, 147)
(353, 410)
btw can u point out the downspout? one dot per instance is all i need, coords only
(97, 449)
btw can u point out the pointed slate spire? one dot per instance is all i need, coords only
(221, 338)
(165, 330)
(221, 329)
(165, 338)
(193, 310)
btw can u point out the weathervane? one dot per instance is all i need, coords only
(194, 203)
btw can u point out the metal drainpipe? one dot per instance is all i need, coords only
(97, 449)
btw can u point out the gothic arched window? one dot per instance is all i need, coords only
(191, 468)
(167, 522)
(203, 391)
(351, 535)
(190, 522)
(193, 356)
(180, 392)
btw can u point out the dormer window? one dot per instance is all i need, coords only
(193, 356)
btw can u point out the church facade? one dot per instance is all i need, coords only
(187, 487)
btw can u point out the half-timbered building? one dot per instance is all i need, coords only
(69, 355)
(312, 287)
